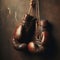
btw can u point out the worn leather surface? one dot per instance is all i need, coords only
(50, 10)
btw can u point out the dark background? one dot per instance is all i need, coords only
(11, 13)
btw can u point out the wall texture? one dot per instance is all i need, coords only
(50, 10)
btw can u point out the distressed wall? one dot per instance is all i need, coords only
(50, 10)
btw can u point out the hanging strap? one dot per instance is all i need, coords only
(32, 8)
(38, 30)
(37, 10)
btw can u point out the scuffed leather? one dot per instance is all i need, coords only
(24, 32)
(38, 45)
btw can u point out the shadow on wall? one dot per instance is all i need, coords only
(51, 45)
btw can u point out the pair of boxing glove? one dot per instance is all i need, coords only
(23, 36)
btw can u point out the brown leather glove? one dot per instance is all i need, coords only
(24, 32)
(39, 45)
